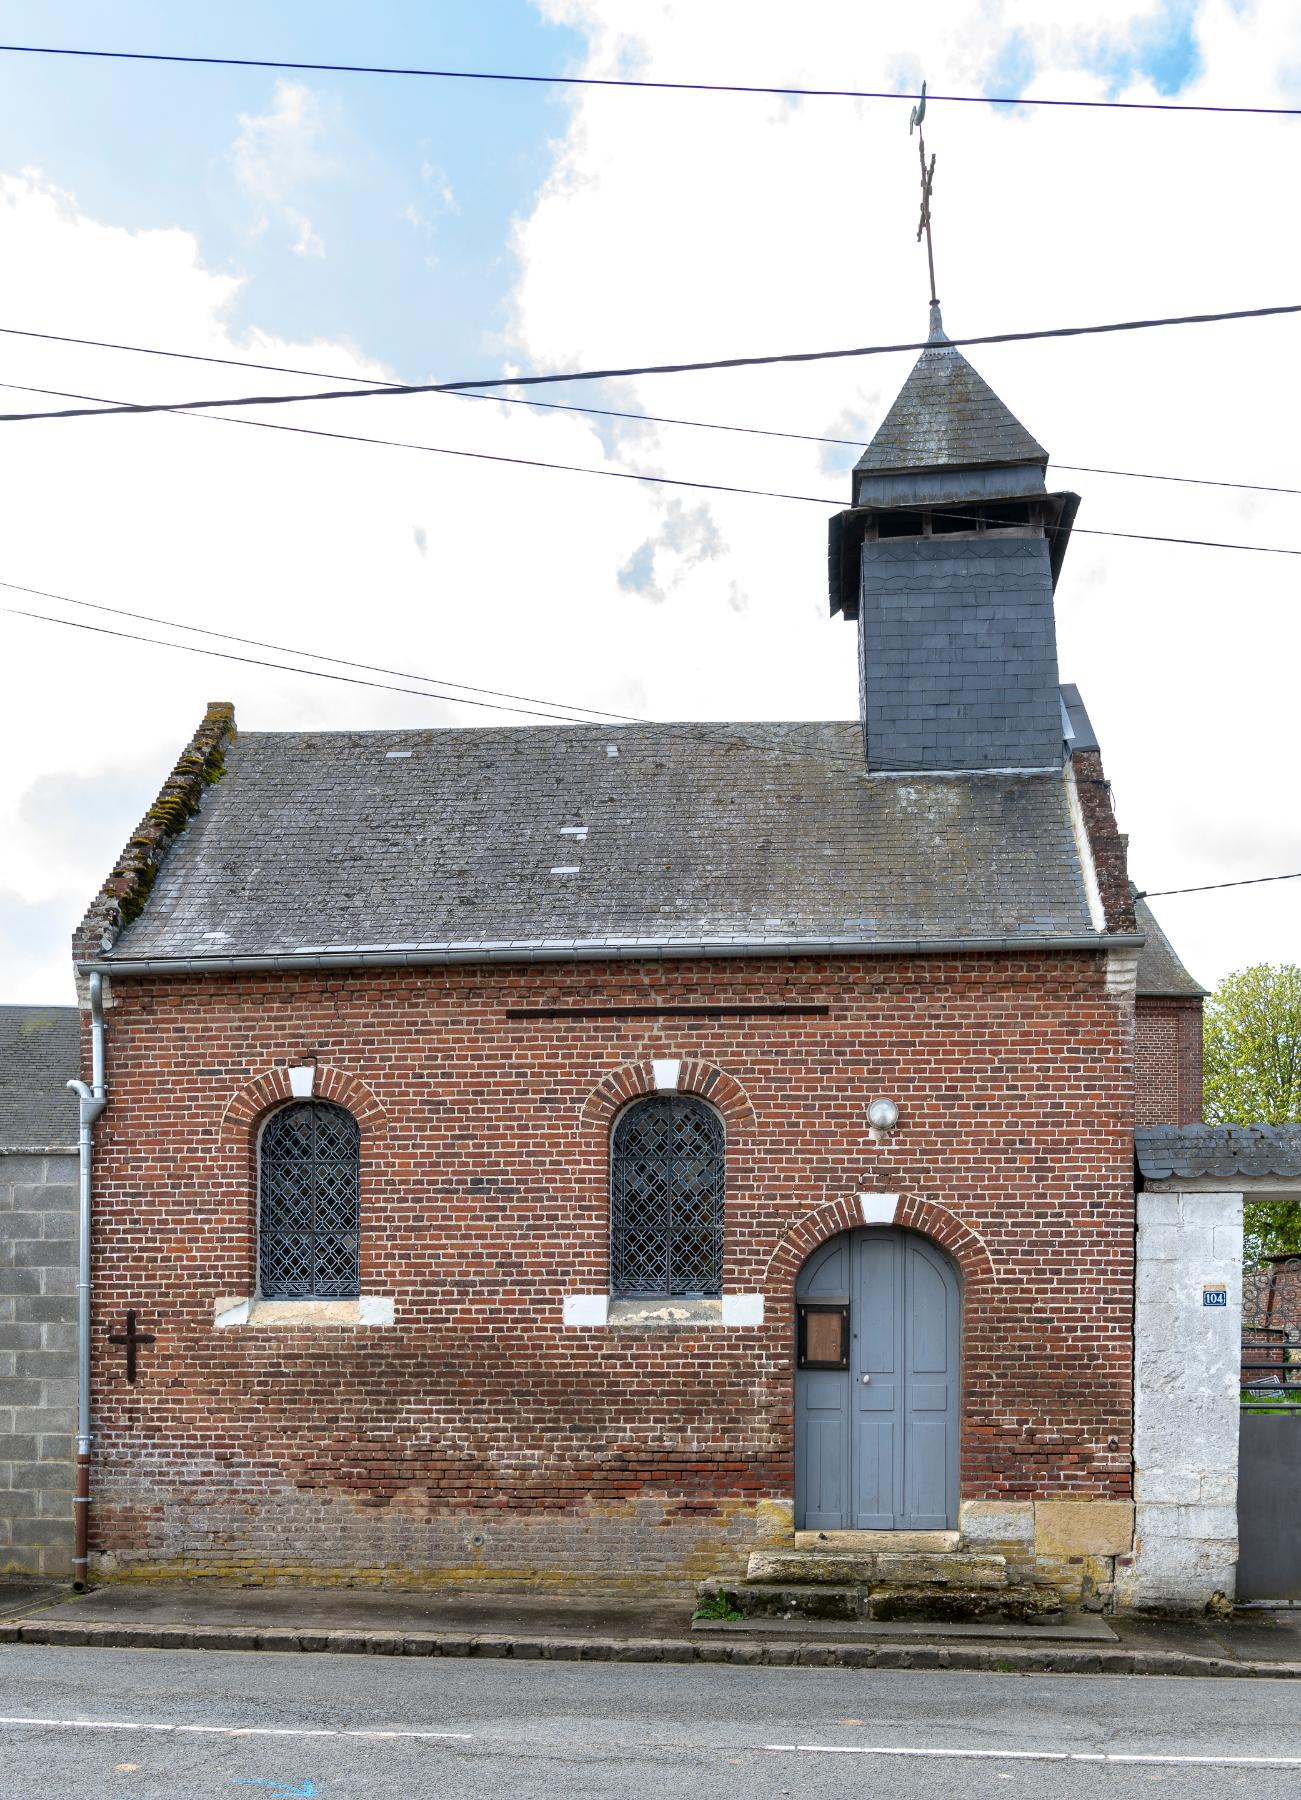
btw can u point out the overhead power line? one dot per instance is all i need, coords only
(612, 720)
(392, 389)
(675, 481)
(717, 487)
(625, 81)
(561, 712)
(597, 412)
(1208, 887)
(556, 709)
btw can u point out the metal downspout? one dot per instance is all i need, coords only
(93, 1100)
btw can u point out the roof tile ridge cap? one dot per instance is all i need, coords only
(123, 895)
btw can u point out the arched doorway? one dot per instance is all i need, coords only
(877, 1385)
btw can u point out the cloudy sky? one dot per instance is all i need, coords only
(422, 229)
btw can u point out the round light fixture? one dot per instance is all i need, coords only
(883, 1115)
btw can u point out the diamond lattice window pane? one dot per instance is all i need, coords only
(667, 1177)
(309, 1202)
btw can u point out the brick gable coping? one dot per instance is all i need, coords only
(1107, 844)
(123, 895)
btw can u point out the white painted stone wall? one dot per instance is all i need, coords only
(1187, 1370)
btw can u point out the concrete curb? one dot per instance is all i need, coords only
(1009, 1659)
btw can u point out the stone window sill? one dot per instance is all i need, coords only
(368, 1310)
(601, 1312)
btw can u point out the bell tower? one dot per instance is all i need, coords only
(947, 558)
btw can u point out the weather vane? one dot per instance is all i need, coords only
(928, 177)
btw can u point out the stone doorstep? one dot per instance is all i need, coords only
(861, 1601)
(878, 1540)
(1086, 1628)
(899, 1568)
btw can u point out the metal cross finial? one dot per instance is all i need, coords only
(130, 1338)
(928, 177)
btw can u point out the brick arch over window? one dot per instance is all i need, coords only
(248, 1104)
(914, 1212)
(723, 1092)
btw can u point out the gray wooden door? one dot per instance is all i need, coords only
(876, 1441)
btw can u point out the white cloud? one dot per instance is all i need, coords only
(278, 158)
(684, 226)
(453, 568)
(755, 226)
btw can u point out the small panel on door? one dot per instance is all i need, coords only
(824, 1337)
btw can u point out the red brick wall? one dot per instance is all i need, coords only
(479, 1432)
(1168, 1060)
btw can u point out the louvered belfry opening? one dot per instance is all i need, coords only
(309, 1203)
(667, 1180)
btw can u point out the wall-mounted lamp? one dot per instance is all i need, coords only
(882, 1117)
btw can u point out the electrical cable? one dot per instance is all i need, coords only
(419, 693)
(704, 734)
(1207, 887)
(616, 81)
(713, 487)
(598, 412)
(565, 707)
(392, 389)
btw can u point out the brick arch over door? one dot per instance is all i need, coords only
(634, 1080)
(927, 1217)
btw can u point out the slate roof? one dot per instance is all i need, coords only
(487, 841)
(40, 1050)
(1164, 1151)
(1160, 972)
(947, 415)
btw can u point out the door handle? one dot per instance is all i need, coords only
(866, 1379)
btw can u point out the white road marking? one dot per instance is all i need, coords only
(1054, 1756)
(233, 1730)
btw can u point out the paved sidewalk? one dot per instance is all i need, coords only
(607, 1628)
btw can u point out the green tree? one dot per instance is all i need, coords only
(1252, 1068)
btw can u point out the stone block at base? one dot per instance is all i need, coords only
(1064, 1528)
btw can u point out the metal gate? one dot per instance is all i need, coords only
(1269, 1438)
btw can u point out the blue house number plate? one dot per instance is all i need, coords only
(1215, 1296)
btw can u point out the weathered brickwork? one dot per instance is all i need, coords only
(1107, 843)
(478, 1432)
(1168, 1052)
(38, 1361)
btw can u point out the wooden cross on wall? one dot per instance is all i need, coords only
(131, 1337)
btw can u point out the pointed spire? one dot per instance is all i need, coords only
(947, 416)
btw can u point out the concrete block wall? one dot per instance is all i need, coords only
(1186, 1402)
(38, 1361)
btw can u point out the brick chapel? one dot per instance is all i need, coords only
(586, 1153)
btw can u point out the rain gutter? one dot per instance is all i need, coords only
(597, 950)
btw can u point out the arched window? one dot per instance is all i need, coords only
(309, 1203)
(666, 1227)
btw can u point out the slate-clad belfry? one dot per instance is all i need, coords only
(948, 561)
(583, 1154)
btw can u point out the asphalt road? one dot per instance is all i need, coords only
(194, 1725)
